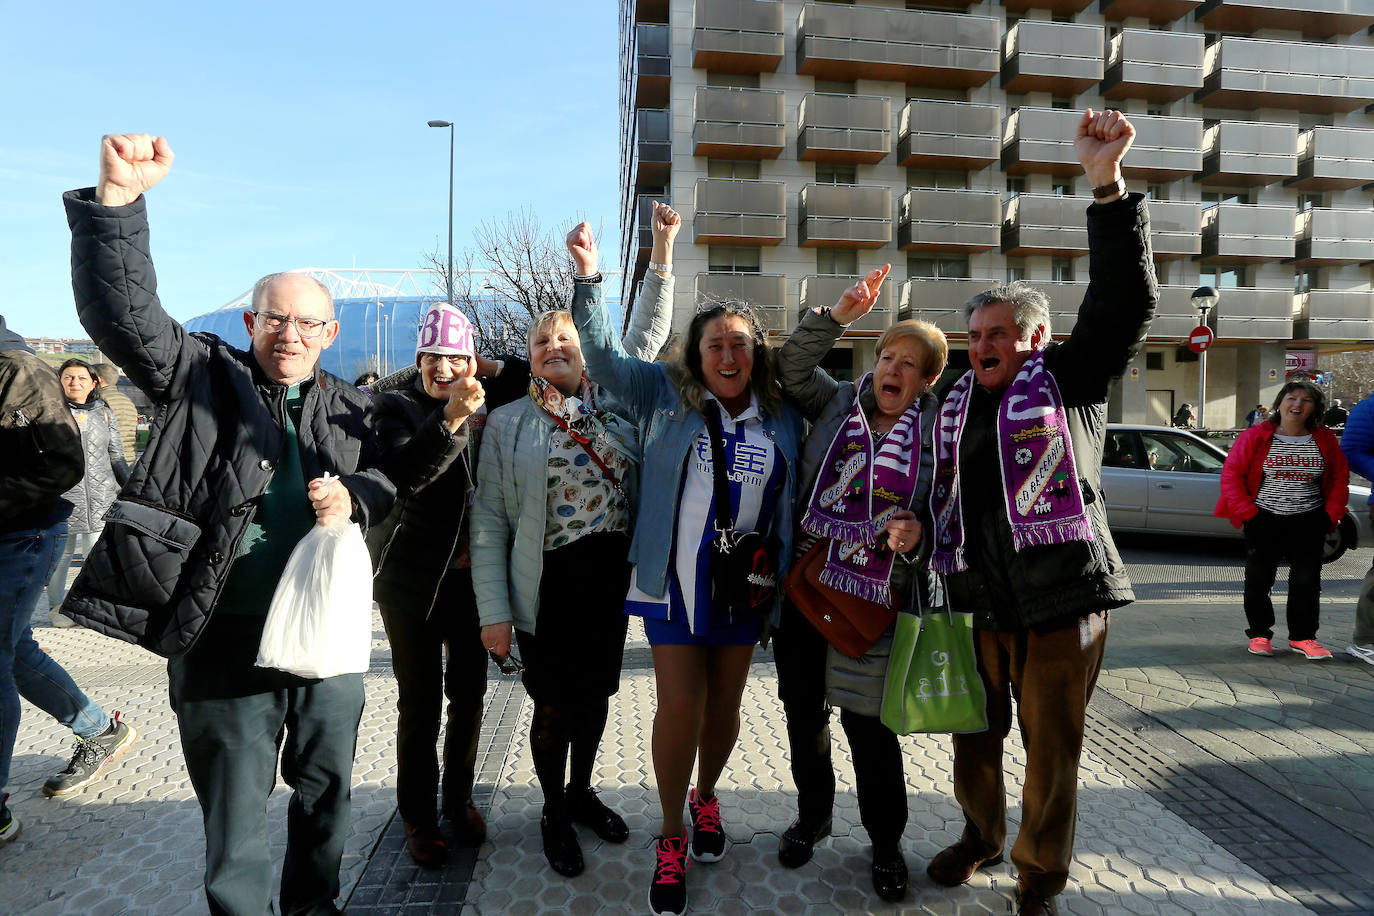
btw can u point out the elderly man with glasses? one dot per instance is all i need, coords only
(247, 452)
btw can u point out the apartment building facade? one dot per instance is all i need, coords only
(807, 142)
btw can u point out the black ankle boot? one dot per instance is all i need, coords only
(560, 844)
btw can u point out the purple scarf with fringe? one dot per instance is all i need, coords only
(1040, 487)
(856, 492)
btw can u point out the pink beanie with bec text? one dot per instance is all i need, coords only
(445, 330)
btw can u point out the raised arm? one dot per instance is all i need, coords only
(112, 270)
(636, 383)
(1122, 290)
(652, 318)
(804, 383)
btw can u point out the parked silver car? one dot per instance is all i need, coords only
(1166, 481)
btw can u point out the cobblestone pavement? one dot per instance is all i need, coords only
(1212, 782)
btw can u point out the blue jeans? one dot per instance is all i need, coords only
(27, 559)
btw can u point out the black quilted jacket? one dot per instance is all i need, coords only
(155, 574)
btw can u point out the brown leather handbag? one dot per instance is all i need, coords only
(850, 624)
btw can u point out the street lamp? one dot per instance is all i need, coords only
(1204, 298)
(449, 277)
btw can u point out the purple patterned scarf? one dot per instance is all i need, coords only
(856, 492)
(1039, 479)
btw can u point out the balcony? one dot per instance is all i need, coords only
(767, 293)
(941, 302)
(948, 135)
(1175, 229)
(1057, 57)
(1327, 237)
(844, 216)
(1248, 153)
(1249, 73)
(1314, 18)
(1334, 158)
(844, 128)
(1040, 140)
(732, 211)
(737, 36)
(1334, 314)
(949, 220)
(651, 148)
(1165, 149)
(648, 10)
(1174, 313)
(918, 47)
(1045, 224)
(1245, 233)
(1155, 66)
(1159, 12)
(732, 123)
(653, 65)
(1054, 6)
(826, 291)
(1255, 313)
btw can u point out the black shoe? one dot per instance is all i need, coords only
(90, 757)
(954, 865)
(560, 845)
(889, 874)
(9, 824)
(799, 841)
(586, 809)
(668, 892)
(1032, 903)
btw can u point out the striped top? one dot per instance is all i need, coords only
(1292, 476)
(755, 480)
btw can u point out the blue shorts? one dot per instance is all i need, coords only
(675, 633)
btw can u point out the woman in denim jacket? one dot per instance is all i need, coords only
(701, 651)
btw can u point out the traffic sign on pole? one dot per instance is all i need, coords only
(1200, 338)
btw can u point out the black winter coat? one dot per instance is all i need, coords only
(155, 575)
(433, 471)
(1045, 587)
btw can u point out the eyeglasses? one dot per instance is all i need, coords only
(306, 327)
(458, 360)
(507, 664)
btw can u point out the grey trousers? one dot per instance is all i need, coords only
(234, 720)
(1364, 612)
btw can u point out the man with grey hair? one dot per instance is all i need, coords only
(248, 451)
(1024, 543)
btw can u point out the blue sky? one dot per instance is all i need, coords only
(299, 131)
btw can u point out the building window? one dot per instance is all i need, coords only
(839, 87)
(732, 168)
(723, 259)
(1016, 185)
(1157, 191)
(1016, 269)
(1062, 188)
(1159, 111)
(837, 262)
(1223, 277)
(931, 178)
(1061, 270)
(1309, 201)
(1305, 280)
(737, 80)
(1162, 272)
(1225, 197)
(827, 173)
(1061, 103)
(947, 268)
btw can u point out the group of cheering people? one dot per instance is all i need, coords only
(537, 504)
(592, 497)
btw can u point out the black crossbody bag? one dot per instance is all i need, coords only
(744, 564)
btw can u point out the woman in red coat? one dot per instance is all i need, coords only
(1286, 483)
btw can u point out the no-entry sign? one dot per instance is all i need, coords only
(1200, 338)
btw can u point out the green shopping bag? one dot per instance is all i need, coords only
(932, 680)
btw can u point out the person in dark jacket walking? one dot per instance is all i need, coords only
(40, 458)
(1021, 525)
(233, 476)
(106, 471)
(1357, 443)
(426, 423)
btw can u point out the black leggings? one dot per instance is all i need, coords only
(1269, 540)
(553, 731)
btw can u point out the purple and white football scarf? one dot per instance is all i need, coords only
(856, 492)
(1040, 487)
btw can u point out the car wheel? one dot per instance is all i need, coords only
(1338, 541)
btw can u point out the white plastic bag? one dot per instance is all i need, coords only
(320, 621)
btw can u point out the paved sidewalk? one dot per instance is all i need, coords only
(1213, 782)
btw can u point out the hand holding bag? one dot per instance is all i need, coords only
(320, 620)
(932, 681)
(849, 623)
(744, 564)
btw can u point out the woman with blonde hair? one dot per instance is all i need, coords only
(872, 536)
(556, 498)
(723, 388)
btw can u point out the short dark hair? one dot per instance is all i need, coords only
(76, 363)
(1314, 419)
(108, 373)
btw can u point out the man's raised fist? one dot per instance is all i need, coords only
(129, 165)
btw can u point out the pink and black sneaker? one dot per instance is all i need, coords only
(668, 893)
